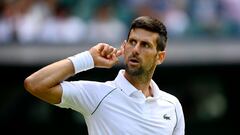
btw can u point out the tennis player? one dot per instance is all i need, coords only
(132, 104)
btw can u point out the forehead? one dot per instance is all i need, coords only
(143, 35)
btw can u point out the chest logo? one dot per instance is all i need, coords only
(166, 117)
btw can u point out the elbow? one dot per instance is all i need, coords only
(30, 86)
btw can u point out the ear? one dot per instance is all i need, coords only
(123, 45)
(161, 57)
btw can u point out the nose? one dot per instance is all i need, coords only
(136, 49)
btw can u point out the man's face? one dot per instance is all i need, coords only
(140, 53)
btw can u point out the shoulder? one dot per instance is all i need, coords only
(174, 101)
(169, 97)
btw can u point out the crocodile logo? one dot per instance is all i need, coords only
(166, 117)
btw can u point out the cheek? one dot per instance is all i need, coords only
(150, 59)
(126, 52)
(125, 55)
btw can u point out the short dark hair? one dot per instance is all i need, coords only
(154, 25)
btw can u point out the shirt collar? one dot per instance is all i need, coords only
(124, 84)
(128, 88)
(155, 89)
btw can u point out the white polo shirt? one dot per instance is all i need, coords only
(118, 108)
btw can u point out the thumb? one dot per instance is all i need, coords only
(119, 52)
(113, 60)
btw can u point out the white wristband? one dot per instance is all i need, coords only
(82, 61)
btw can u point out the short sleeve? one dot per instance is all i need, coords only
(180, 125)
(82, 96)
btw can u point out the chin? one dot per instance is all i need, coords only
(134, 71)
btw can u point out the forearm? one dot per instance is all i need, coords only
(50, 75)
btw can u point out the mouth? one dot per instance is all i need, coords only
(134, 61)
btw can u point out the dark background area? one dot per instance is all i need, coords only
(21, 113)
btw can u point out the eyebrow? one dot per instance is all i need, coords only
(147, 42)
(144, 41)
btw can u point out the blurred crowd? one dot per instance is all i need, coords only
(74, 21)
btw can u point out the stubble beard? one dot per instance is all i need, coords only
(134, 71)
(140, 72)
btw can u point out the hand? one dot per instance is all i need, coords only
(105, 55)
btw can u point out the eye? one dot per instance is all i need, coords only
(146, 45)
(132, 42)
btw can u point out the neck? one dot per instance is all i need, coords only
(141, 82)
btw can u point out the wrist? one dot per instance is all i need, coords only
(82, 61)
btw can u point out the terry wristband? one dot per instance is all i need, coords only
(82, 61)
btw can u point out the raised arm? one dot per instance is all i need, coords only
(45, 83)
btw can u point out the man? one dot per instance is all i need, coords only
(130, 104)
